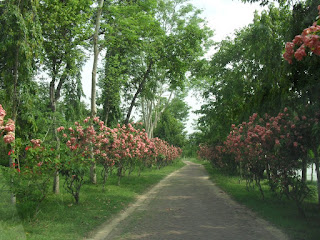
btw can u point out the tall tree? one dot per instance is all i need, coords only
(65, 30)
(96, 51)
(162, 39)
(20, 43)
(247, 74)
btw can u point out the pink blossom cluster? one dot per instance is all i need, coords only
(122, 146)
(273, 144)
(309, 39)
(169, 152)
(6, 127)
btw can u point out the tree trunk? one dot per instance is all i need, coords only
(304, 170)
(139, 90)
(317, 163)
(15, 102)
(54, 94)
(56, 183)
(93, 174)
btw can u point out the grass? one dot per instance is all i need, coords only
(10, 223)
(60, 218)
(280, 212)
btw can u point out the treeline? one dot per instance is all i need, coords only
(147, 47)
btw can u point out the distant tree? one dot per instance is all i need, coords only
(171, 126)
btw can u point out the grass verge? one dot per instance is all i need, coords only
(60, 218)
(280, 212)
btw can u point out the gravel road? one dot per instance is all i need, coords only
(187, 205)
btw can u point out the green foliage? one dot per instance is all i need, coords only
(30, 178)
(171, 124)
(170, 130)
(147, 47)
(60, 218)
(246, 75)
(280, 212)
(266, 2)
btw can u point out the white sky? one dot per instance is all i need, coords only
(223, 16)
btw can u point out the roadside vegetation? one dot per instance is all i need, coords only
(281, 212)
(60, 218)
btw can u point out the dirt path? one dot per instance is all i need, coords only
(187, 205)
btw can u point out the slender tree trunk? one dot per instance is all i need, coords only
(56, 177)
(317, 163)
(304, 170)
(15, 102)
(318, 180)
(158, 115)
(139, 90)
(54, 97)
(93, 174)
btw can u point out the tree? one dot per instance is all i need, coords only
(266, 2)
(305, 74)
(65, 30)
(171, 125)
(96, 51)
(20, 43)
(246, 75)
(163, 39)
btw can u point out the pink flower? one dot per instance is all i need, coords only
(2, 112)
(9, 138)
(96, 119)
(59, 129)
(300, 53)
(277, 142)
(295, 144)
(298, 40)
(35, 142)
(10, 127)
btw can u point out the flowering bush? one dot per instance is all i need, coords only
(6, 128)
(275, 145)
(31, 176)
(308, 40)
(76, 155)
(123, 148)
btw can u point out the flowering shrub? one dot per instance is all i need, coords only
(276, 145)
(308, 40)
(6, 128)
(164, 153)
(76, 158)
(31, 177)
(123, 148)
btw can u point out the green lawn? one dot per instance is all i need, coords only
(60, 218)
(280, 212)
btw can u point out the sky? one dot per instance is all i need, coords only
(224, 17)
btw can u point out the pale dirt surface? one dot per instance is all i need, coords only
(187, 205)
